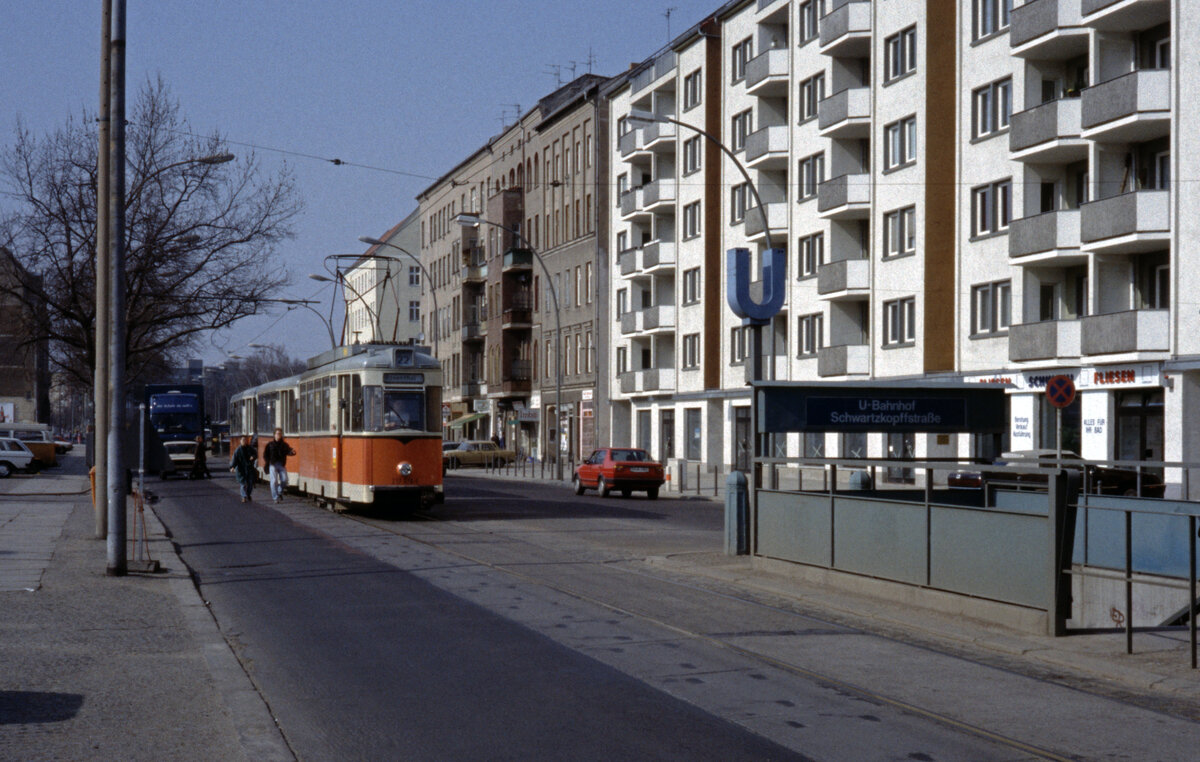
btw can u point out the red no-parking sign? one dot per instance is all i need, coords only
(1060, 391)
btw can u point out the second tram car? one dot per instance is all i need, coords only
(365, 422)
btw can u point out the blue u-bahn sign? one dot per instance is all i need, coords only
(774, 285)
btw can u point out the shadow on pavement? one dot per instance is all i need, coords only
(33, 707)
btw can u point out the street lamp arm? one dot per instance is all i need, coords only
(646, 116)
(293, 303)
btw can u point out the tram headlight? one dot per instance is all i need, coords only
(405, 468)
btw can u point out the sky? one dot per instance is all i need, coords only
(408, 87)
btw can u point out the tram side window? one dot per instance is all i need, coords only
(356, 404)
(372, 408)
(326, 388)
(266, 414)
(235, 419)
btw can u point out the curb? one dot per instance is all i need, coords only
(258, 733)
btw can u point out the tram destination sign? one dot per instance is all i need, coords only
(949, 409)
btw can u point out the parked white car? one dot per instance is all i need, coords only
(14, 456)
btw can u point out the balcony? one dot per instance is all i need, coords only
(473, 389)
(627, 261)
(516, 260)
(847, 197)
(518, 379)
(846, 30)
(648, 380)
(776, 218)
(846, 114)
(845, 280)
(1047, 30)
(475, 273)
(518, 314)
(1127, 224)
(1048, 238)
(473, 332)
(659, 196)
(1047, 340)
(768, 148)
(1123, 332)
(1132, 108)
(631, 204)
(662, 66)
(844, 360)
(767, 74)
(631, 143)
(659, 137)
(658, 256)
(1048, 134)
(1125, 15)
(649, 320)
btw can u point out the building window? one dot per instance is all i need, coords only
(810, 14)
(693, 433)
(622, 360)
(990, 17)
(991, 307)
(622, 189)
(742, 53)
(414, 311)
(737, 202)
(589, 357)
(812, 91)
(737, 345)
(691, 351)
(691, 155)
(742, 126)
(899, 321)
(691, 220)
(991, 107)
(623, 241)
(692, 91)
(809, 332)
(691, 286)
(900, 54)
(414, 276)
(812, 173)
(578, 286)
(812, 254)
(900, 143)
(622, 302)
(587, 281)
(900, 232)
(991, 208)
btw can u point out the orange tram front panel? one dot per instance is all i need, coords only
(367, 469)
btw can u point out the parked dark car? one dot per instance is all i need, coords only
(1099, 480)
(625, 469)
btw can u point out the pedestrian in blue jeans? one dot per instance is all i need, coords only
(275, 455)
(244, 467)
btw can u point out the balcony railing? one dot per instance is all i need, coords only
(658, 254)
(474, 273)
(1045, 340)
(846, 114)
(1054, 28)
(1123, 223)
(1044, 233)
(847, 196)
(648, 380)
(658, 194)
(628, 261)
(845, 279)
(663, 65)
(659, 136)
(1130, 331)
(844, 360)
(767, 148)
(776, 217)
(518, 259)
(1048, 133)
(1132, 107)
(631, 202)
(767, 73)
(472, 331)
(846, 30)
(631, 142)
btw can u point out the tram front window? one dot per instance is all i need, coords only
(403, 410)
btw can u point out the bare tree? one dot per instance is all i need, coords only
(201, 237)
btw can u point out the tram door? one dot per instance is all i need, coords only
(343, 423)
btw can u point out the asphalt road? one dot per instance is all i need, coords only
(520, 622)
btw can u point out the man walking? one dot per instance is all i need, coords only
(244, 467)
(275, 455)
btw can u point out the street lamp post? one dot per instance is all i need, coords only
(435, 329)
(474, 220)
(307, 304)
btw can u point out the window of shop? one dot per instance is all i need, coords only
(691, 422)
(1139, 434)
(643, 430)
(666, 435)
(1070, 426)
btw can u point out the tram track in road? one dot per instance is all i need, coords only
(750, 645)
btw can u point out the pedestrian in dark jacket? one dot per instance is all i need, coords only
(275, 455)
(245, 467)
(200, 462)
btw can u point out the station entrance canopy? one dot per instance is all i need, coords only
(888, 406)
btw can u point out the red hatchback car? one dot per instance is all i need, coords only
(619, 468)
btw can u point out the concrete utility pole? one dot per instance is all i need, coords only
(116, 352)
(100, 371)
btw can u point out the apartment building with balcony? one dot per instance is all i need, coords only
(965, 190)
(535, 188)
(383, 290)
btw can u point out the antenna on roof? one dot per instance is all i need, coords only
(556, 70)
(668, 15)
(574, 65)
(509, 109)
(591, 59)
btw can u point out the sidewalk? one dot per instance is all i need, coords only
(98, 667)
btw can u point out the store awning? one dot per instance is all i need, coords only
(458, 423)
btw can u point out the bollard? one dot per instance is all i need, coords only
(737, 514)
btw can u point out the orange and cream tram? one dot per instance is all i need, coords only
(365, 422)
